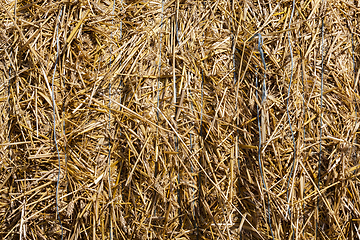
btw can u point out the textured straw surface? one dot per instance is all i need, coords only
(173, 119)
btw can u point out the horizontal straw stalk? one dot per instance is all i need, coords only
(173, 120)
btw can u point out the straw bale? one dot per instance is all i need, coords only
(143, 119)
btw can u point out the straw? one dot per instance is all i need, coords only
(54, 125)
(144, 120)
(288, 115)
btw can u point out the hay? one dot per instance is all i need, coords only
(159, 109)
